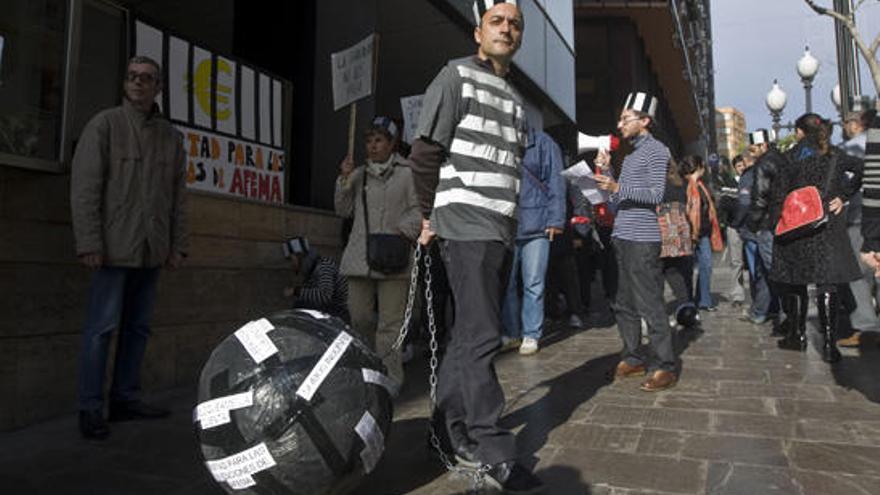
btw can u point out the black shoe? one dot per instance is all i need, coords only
(92, 425)
(127, 411)
(510, 477)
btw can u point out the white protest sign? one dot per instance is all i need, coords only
(412, 108)
(352, 73)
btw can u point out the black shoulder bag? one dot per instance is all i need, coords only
(386, 253)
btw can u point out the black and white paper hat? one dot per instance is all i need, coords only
(759, 136)
(641, 102)
(388, 124)
(482, 6)
(295, 246)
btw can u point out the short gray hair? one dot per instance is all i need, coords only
(143, 59)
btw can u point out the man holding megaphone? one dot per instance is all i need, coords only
(636, 238)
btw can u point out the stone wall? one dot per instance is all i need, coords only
(235, 272)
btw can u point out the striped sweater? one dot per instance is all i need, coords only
(642, 183)
(871, 190)
(466, 162)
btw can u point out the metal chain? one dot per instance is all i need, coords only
(477, 476)
(410, 298)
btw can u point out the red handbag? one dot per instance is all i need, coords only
(803, 210)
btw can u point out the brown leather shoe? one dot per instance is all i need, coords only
(852, 341)
(625, 370)
(659, 380)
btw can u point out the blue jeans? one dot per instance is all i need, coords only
(704, 273)
(759, 258)
(123, 298)
(530, 258)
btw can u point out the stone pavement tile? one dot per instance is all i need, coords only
(866, 432)
(754, 405)
(693, 386)
(643, 473)
(736, 479)
(829, 411)
(596, 437)
(741, 450)
(700, 362)
(717, 374)
(662, 442)
(850, 459)
(667, 419)
(791, 376)
(828, 431)
(817, 483)
(754, 425)
(751, 389)
(740, 361)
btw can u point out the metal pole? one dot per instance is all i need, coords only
(808, 91)
(844, 53)
(854, 60)
(775, 124)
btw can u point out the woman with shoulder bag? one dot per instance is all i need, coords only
(381, 199)
(676, 250)
(818, 252)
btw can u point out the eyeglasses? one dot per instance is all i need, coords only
(627, 120)
(144, 77)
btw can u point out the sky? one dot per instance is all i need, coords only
(756, 41)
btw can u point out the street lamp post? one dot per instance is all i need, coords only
(776, 100)
(807, 68)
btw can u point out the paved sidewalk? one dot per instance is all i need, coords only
(745, 418)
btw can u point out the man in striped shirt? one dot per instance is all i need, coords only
(466, 167)
(636, 238)
(324, 288)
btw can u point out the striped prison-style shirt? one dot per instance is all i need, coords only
(871, 189)
(475, 122)
(642, 183)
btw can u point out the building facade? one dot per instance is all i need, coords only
(249, 84)
(659, 46)
(730, 129)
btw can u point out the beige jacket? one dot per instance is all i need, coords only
(394, 209)
(128, 189)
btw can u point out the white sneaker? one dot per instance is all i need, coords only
(529, 346)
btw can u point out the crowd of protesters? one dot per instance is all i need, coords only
(515, 244)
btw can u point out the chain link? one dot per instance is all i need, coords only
(477, 476)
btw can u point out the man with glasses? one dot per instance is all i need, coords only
(636, 237)
(128, 202)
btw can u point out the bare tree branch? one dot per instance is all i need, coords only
(868, 52)
(819, 10)
(858, 6)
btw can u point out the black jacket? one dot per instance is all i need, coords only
(761, 215)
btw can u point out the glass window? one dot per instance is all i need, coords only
(32, 77)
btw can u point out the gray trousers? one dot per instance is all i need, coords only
(864, 290)
(640, 295)
(380, 330)
(468, 392)
(735, 255)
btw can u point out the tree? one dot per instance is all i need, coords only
(869, 52)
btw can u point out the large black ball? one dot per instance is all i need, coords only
(294, 403)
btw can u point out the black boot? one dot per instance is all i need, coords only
(789, 309)
(829, 307)
(796, 332)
